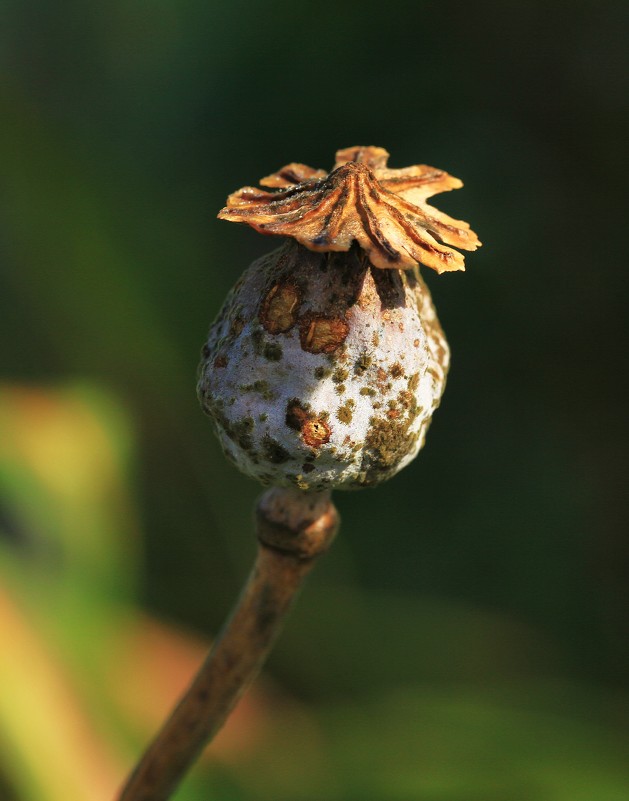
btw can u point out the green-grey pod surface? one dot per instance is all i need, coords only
(322, 371)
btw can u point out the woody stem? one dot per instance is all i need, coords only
(293, 528)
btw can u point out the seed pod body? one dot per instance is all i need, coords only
(323, 371)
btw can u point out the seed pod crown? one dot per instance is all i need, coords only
(360, 200)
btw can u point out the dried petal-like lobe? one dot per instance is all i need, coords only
(290, 175)
(363, 201)
(418, 183)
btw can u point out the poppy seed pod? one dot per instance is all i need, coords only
(327, 361)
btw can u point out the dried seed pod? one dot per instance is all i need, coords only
(327, 360)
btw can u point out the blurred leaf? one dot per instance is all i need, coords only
(68, 553)
(451, 743)
(64, 457)
(457, 745)
(344, 642)
(49, 746)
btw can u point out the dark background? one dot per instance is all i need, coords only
(500, 557)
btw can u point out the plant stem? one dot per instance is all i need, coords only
(293, 528)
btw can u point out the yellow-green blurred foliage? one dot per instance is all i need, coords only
(466, 639)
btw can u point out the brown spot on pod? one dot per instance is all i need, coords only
(314, 430)
(220, 361)
(345, 412)
(322, 372)
(279, 309)
(296, 414)
(413, 382)
(322, 334)
(362, 364)
(273, 451)
(272, 352)
(388, 442)
(406, 399)
(236, 326)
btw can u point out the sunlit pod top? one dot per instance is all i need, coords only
(361, 200)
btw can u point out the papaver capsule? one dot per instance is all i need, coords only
(327, 361)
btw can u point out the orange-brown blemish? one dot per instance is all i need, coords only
(416, 343)
(405, 398)
(278, 313)
(236, 326)
(220, 361)
(315, 432)
(322, 334)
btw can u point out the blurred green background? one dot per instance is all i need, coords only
(467, 638)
